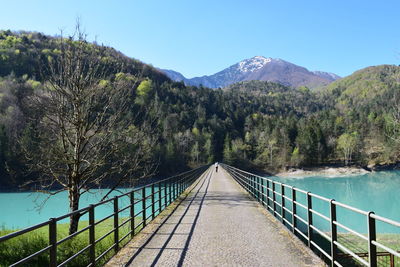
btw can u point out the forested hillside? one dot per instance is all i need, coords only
(253, 124)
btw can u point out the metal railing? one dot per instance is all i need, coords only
(152, 199)
(282, 201)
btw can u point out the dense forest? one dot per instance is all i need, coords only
(254, 124)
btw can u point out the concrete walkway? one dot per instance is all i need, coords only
(217, 224)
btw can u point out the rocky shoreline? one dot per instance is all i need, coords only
(332, 171)
(323, 171)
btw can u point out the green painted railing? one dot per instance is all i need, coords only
(282, 201)
(162, 194)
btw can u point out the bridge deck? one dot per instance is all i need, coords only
(217, 224)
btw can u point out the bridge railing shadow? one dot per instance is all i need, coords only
(195, 203)
(100, 237)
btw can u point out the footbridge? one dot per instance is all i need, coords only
(209, 217)
(216, 223)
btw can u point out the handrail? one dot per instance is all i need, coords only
(265, 192)
(169, 189)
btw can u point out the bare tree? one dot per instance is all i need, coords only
(347, 143)
(83, 134)
(393, 128)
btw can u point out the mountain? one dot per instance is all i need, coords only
(327, 75)
(22, 53)
(174, 75)
(262, 69)
(245, 124)
(365, 86)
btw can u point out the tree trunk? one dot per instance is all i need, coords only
(346, 157)
(270, 157)
(73, 195)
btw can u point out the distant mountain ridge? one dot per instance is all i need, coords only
(262, 69)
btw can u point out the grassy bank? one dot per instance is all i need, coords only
(352, 241)
(15, 249)
(360, 246)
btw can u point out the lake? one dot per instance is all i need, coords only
(20, 210)
(378, 192)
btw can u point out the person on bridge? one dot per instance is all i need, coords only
(216, 166)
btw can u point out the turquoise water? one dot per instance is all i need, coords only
(377, 191)
(20, 210)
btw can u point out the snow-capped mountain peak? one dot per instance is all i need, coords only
(253, 64)
(262, 69)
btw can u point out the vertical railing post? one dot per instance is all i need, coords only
(92, 250)
(116, 225)
(253, 178)
(283, 203)
(371, 237)
(178, 191)
(165, 193)
(273, 198)
(174, 189)
(182, 182)
(170, 191)
(294, 222)
(258, 189)
(153, 210)
(178, 186)
(132, 213)
(53, 242)
(268, 195)
(255, 187)
(245, 181)
(333, 232)
(262, 192)
(159, 197)
(250, 185)
(309, 218)
(144, 206)
(186, 181)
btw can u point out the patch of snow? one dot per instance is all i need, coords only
(253, 64)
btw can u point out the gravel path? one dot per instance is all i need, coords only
(218, 224)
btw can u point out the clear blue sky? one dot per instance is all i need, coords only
(204, 36)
